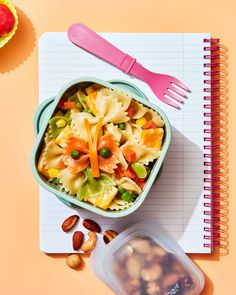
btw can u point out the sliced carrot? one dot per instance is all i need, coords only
(140, 182)
(98, 132)
(118, 171)
(130, 173)
(131, 111)
(130, 155)
(69, 105)
(149, 125)
(92, 150)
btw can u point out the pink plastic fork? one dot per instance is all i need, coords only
(165, 87)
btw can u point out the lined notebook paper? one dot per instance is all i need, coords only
(176, 198)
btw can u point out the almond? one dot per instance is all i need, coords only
(91, 225)
(69, 223)
(77, 240)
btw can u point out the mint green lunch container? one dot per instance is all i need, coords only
(46, 110)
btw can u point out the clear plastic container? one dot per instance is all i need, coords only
(144, 260)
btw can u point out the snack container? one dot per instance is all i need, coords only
(46, 110)
(144, 260)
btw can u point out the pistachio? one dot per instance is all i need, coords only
(152, 273)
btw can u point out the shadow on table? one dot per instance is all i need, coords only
(16, 51)
(214, 256)
(209, 287)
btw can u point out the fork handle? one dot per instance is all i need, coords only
(90, 41)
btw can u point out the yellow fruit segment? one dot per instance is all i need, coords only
(152, 137)
(52, 172)
(140, 122)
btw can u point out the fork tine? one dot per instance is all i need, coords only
(165, 99)
(175, 89)
(181, 85)
(171, 95)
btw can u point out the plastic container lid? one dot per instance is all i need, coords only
(145, 260)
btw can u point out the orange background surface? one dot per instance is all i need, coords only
(24, 269)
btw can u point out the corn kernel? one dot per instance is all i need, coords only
(52, 172)
(140, 122)
(61, 123)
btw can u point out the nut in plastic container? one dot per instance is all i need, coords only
(144, 260)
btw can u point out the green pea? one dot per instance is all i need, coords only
(126, 196)
(79, 106)
(56, 181)
(105, 153)
(75, 154)
(122, 126)
(88, 111)
(121, 190)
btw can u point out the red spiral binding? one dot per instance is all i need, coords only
(216, 154)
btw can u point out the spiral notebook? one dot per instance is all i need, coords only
(181, 199)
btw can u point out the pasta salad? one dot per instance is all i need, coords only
(100, 146)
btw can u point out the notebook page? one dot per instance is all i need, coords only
(176, 198)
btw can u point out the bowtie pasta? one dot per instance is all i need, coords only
(100, 147)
